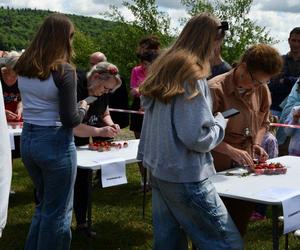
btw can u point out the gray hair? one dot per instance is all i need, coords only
(106, 70)
(10, 59)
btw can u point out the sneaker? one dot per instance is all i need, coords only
(257, 217)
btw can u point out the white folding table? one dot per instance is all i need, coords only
(92, 160)
(89, 159)
(251, 187)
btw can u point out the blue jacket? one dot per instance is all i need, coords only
(292, 100)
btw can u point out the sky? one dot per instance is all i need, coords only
(278, 16)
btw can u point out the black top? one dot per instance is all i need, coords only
(96, 109)
(281, 86)
(119, 100)
(219, 69)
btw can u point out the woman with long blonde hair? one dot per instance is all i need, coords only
(47, 84)
(178, 133)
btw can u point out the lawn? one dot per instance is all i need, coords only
(117, 217)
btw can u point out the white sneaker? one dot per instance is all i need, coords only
(297, 233)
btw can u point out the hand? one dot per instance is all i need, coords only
(108, 131)
(83, 104)
(11, 115)
(296, 116)
(241, 157)
(260, 152)
(116, 126)
(135, 92)
(19, 112)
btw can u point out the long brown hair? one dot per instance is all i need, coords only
(186, 61)
(50, 47)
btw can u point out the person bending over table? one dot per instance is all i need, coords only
(103, 78)
(244, 88)
(178, 133)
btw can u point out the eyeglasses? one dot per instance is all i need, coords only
(257, 82)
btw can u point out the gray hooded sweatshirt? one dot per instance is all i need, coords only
(177, 137)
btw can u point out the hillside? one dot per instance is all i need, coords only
(19, 25)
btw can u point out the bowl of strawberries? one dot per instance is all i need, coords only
(269, 168)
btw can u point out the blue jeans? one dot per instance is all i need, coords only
(49, 155)
(194, 209)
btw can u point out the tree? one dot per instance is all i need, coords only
(121, 41)
(84, 45)
(242, 33)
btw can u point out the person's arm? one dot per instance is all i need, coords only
(19, 110)
(257, 148)
(134, 83)
(194, 123)
(240, 156)
(84, 130)
(264, 113)
(70, 114)
(293, 118)
(10, 115)
(106, 118)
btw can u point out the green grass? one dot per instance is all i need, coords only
(117, 217)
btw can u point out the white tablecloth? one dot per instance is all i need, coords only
(252, 188)
(92, 159)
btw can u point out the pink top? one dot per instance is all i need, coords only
(138, 75)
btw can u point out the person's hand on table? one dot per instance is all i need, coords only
(260, 152)
(241, 157)
(116, 126)
(11, 115)
(107, 131)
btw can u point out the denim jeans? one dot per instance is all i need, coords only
(193, 209)
(49, 155)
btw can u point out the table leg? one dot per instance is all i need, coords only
(89, 212)
(144, 190)
(275, 230)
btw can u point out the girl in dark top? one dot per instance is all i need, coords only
(47, 84)
(103, 78)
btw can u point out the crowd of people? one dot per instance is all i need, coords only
(184, 138)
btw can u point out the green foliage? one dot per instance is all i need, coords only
(242, 33)
(84, 45)
(121, 42)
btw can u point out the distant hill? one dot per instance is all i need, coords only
(19, 25)
(117, 40)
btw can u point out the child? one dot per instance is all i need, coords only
(294, 118)
(270, 145)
